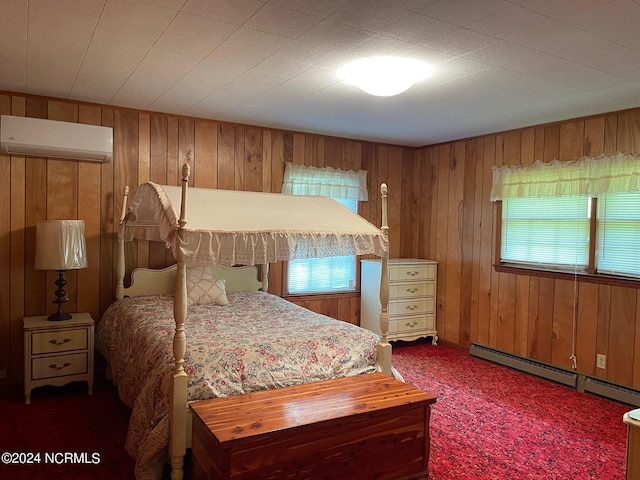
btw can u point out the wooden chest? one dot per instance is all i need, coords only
(363, 427)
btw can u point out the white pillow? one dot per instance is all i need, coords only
(203, 289)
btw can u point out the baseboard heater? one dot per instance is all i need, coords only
(523, 364)
(609, 390)
(581, 382)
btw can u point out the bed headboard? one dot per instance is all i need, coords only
(146, 281)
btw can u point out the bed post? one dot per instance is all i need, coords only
(178, 406)
(384, 347)
(120, 266)
(265, 277)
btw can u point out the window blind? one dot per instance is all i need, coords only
(546, 231)
(618, 247)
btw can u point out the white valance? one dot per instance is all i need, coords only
(229, 227)
(325, 181)
(614, 173)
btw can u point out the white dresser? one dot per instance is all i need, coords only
(412, 298)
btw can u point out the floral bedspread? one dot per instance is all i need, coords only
(258, 341)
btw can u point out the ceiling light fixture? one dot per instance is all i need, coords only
(385, 76)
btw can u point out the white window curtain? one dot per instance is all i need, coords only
(618, 173)
(330, 274)
(326, 181)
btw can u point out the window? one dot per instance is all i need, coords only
(329, 274)
(574, 216)
(546, 231)
(619, 234)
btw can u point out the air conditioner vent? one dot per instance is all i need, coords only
(36, 137)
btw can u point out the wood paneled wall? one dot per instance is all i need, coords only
(439, 208)
(150, 146)
(526, 315)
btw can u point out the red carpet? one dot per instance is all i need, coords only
(66, 420)
(490, 422)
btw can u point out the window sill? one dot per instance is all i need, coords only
(568, 275)
(323, 296)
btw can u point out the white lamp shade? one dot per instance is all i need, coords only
(60, 245)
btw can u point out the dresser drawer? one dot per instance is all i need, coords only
(58, 366)
(410, 290)
(59, 341)
(407, 324)
(414, 306)
(404, 272)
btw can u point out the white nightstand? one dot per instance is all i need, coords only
(56, 353)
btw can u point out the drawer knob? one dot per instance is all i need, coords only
(56, 342)
(413, 274)
(412, 290)
(55, 367)
(411, 307)
(411, 324)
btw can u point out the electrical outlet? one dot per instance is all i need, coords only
(3, 373)
(601, 361)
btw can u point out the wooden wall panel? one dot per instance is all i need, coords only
(506, 308)
(622, 332)
(467, 220)
(453, 277)
(407, 201)
(565, 296)
(6, 321)
(485, 269)
(394, 182)
(18, 254)
(108, 224)
(521, 330)
(442, 157)
(587, 325)
(89, 181)
(494, 307)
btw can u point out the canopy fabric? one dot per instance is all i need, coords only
(229, 227)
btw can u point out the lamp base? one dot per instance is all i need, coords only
(61, 293)
(58, 316)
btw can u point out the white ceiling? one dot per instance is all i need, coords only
(500, 64)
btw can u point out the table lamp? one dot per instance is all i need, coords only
(60, 245)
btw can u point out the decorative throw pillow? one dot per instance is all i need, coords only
(203, 289)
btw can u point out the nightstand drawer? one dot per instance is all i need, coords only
(409, 290)
(58, 366)
(59, 341)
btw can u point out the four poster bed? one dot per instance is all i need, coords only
(241, 338)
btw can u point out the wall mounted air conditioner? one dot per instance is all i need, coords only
(35, 137)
